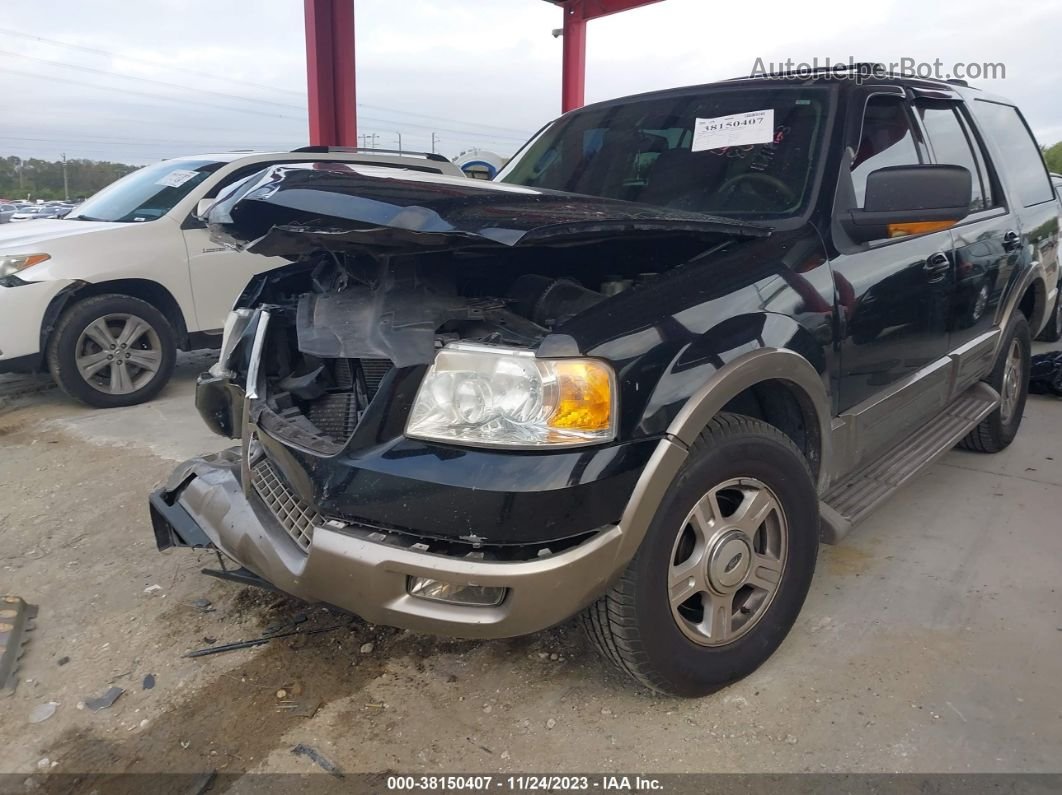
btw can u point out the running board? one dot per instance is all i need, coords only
(849, 502)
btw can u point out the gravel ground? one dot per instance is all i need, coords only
(930, 642)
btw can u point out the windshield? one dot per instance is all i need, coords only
(146, 194)
(746, 151)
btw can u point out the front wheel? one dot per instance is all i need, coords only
(112, 350)
(724, 568)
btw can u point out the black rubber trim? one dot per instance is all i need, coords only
(173, 525)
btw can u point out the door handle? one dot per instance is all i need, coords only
(937, 266)
(1011, 240)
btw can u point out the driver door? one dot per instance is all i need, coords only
(893, 295)
(218, 274)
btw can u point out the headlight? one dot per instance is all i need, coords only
(235, 325)
(13, 263)
(500, 397)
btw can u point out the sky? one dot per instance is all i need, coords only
(113, 80)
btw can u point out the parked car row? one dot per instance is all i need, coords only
(26, 211)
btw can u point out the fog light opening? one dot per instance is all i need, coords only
(455, 593)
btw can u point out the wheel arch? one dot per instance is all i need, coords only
(1033, 304)
(776, 385)
(146, 290)
(770, 368)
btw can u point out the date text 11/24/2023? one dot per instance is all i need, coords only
(523, 783)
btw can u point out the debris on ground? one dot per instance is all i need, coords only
(149, 681)
(105, 701)
(366, 648)
(317, 758)
(299, 707)
(16, 619)
(203, 605)
(42, 712)
(1045, 376)
(270, 635)
(152, 588)
(62, 661)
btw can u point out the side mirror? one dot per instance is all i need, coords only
(202, 206)
(910, 200)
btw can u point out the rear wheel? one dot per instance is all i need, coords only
(112, 350)
(724, 568)
(1010, 378)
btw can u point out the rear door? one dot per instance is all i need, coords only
(986, 241)
(1027, 185)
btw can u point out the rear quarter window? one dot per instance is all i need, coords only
(1020, 154)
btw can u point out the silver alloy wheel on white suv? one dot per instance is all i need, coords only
(118, 354)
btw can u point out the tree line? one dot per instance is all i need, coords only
(43, 179)
(34, 178)
(1053, 156)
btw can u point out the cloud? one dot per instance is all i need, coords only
(179, 76)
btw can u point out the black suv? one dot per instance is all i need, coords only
(684, 337)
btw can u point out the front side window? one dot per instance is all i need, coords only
(1020, 155)
(147, 194)
(886, 140)
(645, 150)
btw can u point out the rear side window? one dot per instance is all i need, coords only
(953, 146)
(886, 140)
(1018, 150)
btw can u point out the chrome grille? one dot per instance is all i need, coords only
(294, 515)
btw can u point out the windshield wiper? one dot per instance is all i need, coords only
(83, 218)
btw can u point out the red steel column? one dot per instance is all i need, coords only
(576, 14)
(330, 72)
(573, 71)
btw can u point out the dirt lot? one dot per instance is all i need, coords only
(930, 642)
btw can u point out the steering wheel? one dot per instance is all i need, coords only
(757, 178)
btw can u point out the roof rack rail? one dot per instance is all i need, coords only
(405, 152)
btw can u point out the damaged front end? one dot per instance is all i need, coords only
(423, 442)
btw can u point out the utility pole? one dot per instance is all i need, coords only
(20, 175)
(66, 185)
(434, 140)
(399, 142)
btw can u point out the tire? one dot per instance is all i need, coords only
(1053, 330)
(87, 368)
(665, 647)
(1009, 377)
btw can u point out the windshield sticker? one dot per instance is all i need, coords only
(737, 129)
(177, 178)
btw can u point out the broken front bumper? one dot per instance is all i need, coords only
(367, 572)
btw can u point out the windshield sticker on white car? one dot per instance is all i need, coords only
(176, 178)
(737, 129)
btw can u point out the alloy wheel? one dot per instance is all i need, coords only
(1012, 381)
(727, 562)
(118, 354)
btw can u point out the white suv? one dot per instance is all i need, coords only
(105, 297)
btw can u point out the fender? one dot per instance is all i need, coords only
(721, 387)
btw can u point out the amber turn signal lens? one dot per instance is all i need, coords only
(918, 228)
(584, 396)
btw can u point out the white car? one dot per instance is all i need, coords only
(105, 297)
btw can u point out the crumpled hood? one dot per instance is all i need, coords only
(292, 210)
(26, 235)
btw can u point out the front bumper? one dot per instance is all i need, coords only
(364, 572)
